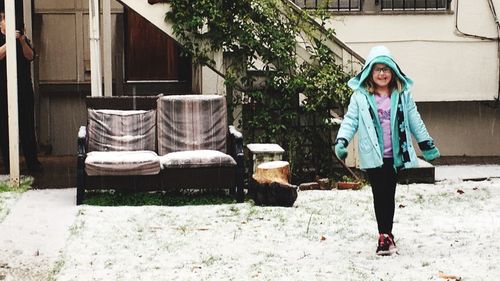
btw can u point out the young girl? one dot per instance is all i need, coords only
(385, 116)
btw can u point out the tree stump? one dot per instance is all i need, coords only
(269, 185)
(274, 171)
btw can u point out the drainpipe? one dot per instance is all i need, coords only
(494, 13)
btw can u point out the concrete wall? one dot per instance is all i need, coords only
(463, 128)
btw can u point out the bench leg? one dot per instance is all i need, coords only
(80, 195)
(80, 185)
(240, 191)
(240, 194)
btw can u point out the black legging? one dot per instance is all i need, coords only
(383, 181)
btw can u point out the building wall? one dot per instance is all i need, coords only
(61, 30)
(451, 72)
(444, 65)
(456, 77)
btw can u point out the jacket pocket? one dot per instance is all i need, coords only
(365, 145)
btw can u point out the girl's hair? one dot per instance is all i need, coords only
(394, 84)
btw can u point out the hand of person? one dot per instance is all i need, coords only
(20, 36)
(431, 154)
(340, 150)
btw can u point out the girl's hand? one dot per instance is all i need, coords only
(340, 151)
(431, 154)
(429, 150)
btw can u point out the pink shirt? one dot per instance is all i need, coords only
(384, 115)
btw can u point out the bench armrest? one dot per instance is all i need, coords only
(82, 140)
(236, 140)
(80, 164)
(236, 151)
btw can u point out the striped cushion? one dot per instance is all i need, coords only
(121, 130)
(196, 159)
(191, 122)
(121, 163)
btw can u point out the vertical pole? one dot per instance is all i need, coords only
(28, 19)
(10, 34)
(28, 23)
(108, 57)
(95, 49)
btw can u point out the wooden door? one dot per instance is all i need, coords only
(151, 54)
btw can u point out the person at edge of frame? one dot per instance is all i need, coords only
(25, 54)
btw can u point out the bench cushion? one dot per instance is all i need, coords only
(196, 159)
(191, 122)
(121, 130)
(121, 163)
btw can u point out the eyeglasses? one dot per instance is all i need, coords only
(384, 69)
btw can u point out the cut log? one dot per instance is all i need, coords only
(269, 185)
(274, 171)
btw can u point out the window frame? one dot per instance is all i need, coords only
(349, 8)
(374, 7)
(427, 7)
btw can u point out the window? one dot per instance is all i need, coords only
(335, 5)
(398, 5)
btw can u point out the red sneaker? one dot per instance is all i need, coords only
(386, 245)
(392, 244)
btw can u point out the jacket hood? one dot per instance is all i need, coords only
(379, 54)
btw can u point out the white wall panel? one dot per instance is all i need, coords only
(54, 5)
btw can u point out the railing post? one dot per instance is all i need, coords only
(10, 34)
(95, 48)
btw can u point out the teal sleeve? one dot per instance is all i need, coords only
(350, 123)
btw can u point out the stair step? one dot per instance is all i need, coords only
(157, 1)
(424, 173)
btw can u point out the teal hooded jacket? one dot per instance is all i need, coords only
(360, 116)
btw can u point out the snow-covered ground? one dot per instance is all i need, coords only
(327, 235)
(452, 227)
(7, 199)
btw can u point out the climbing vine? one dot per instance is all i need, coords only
(259, 42)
